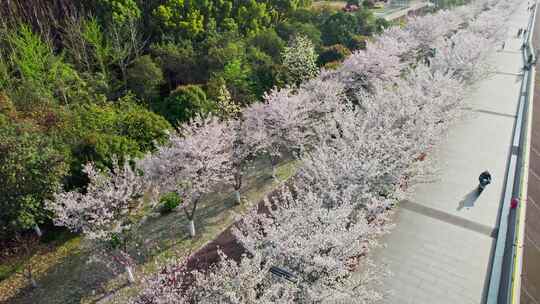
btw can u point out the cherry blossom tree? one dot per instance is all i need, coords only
(326, 244)
(320, 261)
(363, 132)
(248, 141)
(379, 61)
(285, 122)
(489, 25)
(463, 55)
(194, 162)
(281, 118)
(428, 29)
(104, 213)
(248, 282)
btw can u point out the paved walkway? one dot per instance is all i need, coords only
(440, 249)
(392, 13)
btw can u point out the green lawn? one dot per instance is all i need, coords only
(64, 275)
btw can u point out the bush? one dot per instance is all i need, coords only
(332, 53)
(359, 42)
(333, 65)
(169, 202)
(368, 4)
(142, 126)
(381, 24)
(98, 132)
(268, 42)
(341, 27)
(184, 103)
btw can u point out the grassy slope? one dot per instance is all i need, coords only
(64, 276)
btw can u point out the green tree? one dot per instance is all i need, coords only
(263, 71)
(269, 42)
(339, 29)
(181, 15)
(99, 46)
(184, 103)
(252, 16)
(36, 73)
(283, 8)
(31, 169)
(222, 52)
(289, 29)
(226, 108)
(179, 62)
(144, 78)
(101, 132)
(237, 74)
(119, 11)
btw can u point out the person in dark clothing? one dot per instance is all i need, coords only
(484, 180)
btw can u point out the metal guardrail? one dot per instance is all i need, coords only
(506, 264)
(514, 282)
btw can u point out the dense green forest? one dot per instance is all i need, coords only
(96, 80)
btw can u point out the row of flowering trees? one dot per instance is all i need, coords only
(360, 132)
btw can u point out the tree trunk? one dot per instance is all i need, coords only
(38, 230)
(131, 277)
(274, 160)
(191, 217)
(30, 277)
(237, 197)
(191, 228)
(33, 282)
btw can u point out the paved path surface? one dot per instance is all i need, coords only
(440, 250)
(392, 13)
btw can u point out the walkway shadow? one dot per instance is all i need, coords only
(469, 199)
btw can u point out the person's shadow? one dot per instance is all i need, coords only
(469, 199)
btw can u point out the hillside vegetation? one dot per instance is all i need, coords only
(89, 81)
